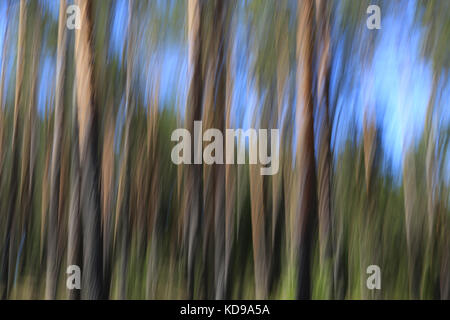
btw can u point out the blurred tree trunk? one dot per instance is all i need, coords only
(52, 240)
(371, 240)
(28, 156)
(18, 100)
(413, 224)
(306, 212)
(220, 14)
(89, 163)
(231, 199)
(258, 205)
(324, 155)
(154, 193)
(3, 147)
(260, 254)
(430, 273)
(192, 197)
(430, 127)
(282, 77)
(214, 117)
(123, 197)
(108, 161)
(74, 243)
(105, 97)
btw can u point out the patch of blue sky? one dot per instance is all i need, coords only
(169, 67)
(402, 84)
(3, 22)
(396, 86)
(119, 30)
(52, 8)
(46, 84)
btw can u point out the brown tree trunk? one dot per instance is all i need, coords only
(89, 162)
(324, 156)
(192, 203)
(108, 160)
(230, 182)
(306, 212)
(214, 117)
(154, 194)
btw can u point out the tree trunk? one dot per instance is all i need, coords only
(52, 240)
(123, 199)
(192, 203)
(74, 243)
(15, 151)
(108, 160)
(306, 212)
(413, 224)
(214, 117)
(89, 163)
(324, 157)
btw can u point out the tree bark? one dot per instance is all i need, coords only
(192, 203)
(89, 163)
(306, 212)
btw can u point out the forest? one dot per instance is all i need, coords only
(87, 176)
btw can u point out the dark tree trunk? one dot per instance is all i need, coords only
(306, 215)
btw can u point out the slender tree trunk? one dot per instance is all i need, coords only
(74, 243)
(431, 158)
(306, 213)
(230, 183)
(214, 175)
(28, 156)
(412, 223)
(192, 202)
(154, 194)
(123, 201)
(107, 200)
(430, 267)
(2, 115)
(258, 231)
(15, 150)
(324, 157)
(52, 240)
(89, 162)
(282, 80)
